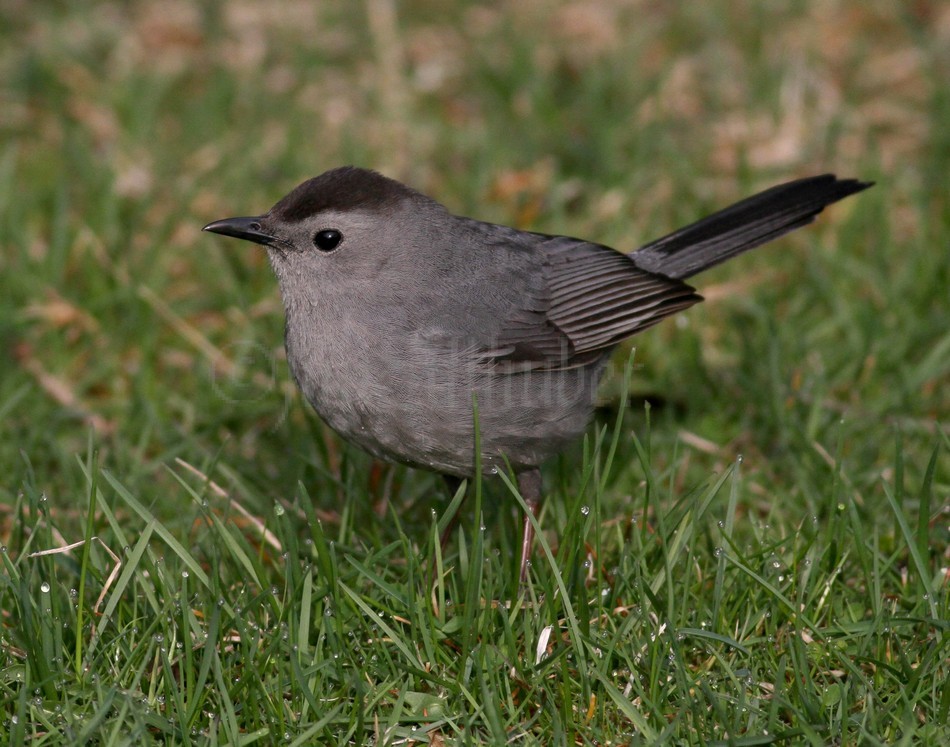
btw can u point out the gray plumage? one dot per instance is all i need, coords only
(393, 330)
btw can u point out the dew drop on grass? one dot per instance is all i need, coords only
(718, 552)
(44, 587)
(585, 510)
(278, 510)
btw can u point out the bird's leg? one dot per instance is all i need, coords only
(453, 484)
(529, 485)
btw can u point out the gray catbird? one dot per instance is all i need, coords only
(402, 318)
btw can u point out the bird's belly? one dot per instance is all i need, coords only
(421, 411)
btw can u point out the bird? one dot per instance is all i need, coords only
(404, 321)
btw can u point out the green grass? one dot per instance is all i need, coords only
(749, 547)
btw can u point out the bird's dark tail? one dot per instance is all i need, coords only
(743, 226)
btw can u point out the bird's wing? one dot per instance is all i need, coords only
(587, 298)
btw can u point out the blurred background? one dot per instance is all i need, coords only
(125, 126)
(132, 342)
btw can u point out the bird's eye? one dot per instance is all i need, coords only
(327, 240)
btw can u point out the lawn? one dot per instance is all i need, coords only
(750, 546)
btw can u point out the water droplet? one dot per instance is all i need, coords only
(585, 510)
(184, 574)
(718, 552)
(44, 587)
(278, 510)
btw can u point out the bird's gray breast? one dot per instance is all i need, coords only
(412, 396)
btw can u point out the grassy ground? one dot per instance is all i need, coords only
(759, 556)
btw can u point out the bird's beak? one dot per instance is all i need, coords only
(248, 229)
